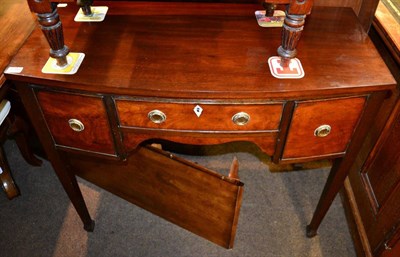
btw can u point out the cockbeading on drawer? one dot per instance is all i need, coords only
(199, 116)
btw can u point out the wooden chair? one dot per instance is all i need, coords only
(13, 126)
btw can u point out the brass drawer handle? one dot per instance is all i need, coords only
(157, 116)
(322, 131)
(241, 118)
(76, 125)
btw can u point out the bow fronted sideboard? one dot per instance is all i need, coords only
(197, 73)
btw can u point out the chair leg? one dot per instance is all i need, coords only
(19, 130)
(6, 180)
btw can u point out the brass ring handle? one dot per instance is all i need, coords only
(241, 118)
(322, 131)
(76, 125)
(157, 116)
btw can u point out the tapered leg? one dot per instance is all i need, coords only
(342, 166)
(333, 185)
(60, 166)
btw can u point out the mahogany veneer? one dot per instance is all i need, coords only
(164, 59)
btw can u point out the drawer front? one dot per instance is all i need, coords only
(209, 117)
(77, 121)
(322, 128)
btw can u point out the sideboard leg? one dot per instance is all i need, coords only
(71, 187)
(333, 185)
(73, 191)
(60, 166)
(51, 26)
(342, 166)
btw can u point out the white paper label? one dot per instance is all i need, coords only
(14, 70)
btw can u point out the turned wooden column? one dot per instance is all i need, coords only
(85, 6)
(292, 28)
(296, 12)
(51, 26)
(269, 8)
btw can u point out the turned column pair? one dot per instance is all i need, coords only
(296, 11)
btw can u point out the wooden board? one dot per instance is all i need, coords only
(190, 196)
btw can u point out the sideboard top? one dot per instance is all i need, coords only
(191, 50)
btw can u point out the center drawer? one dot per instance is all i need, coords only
(192, 116)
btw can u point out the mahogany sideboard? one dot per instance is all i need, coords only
(151, 68)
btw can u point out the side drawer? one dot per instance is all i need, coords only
(322, 128)
(77, 121)
(210, 117)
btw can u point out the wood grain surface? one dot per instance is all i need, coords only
(191, 50)
(200, 200)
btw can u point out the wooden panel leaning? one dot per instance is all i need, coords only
(195, 198)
